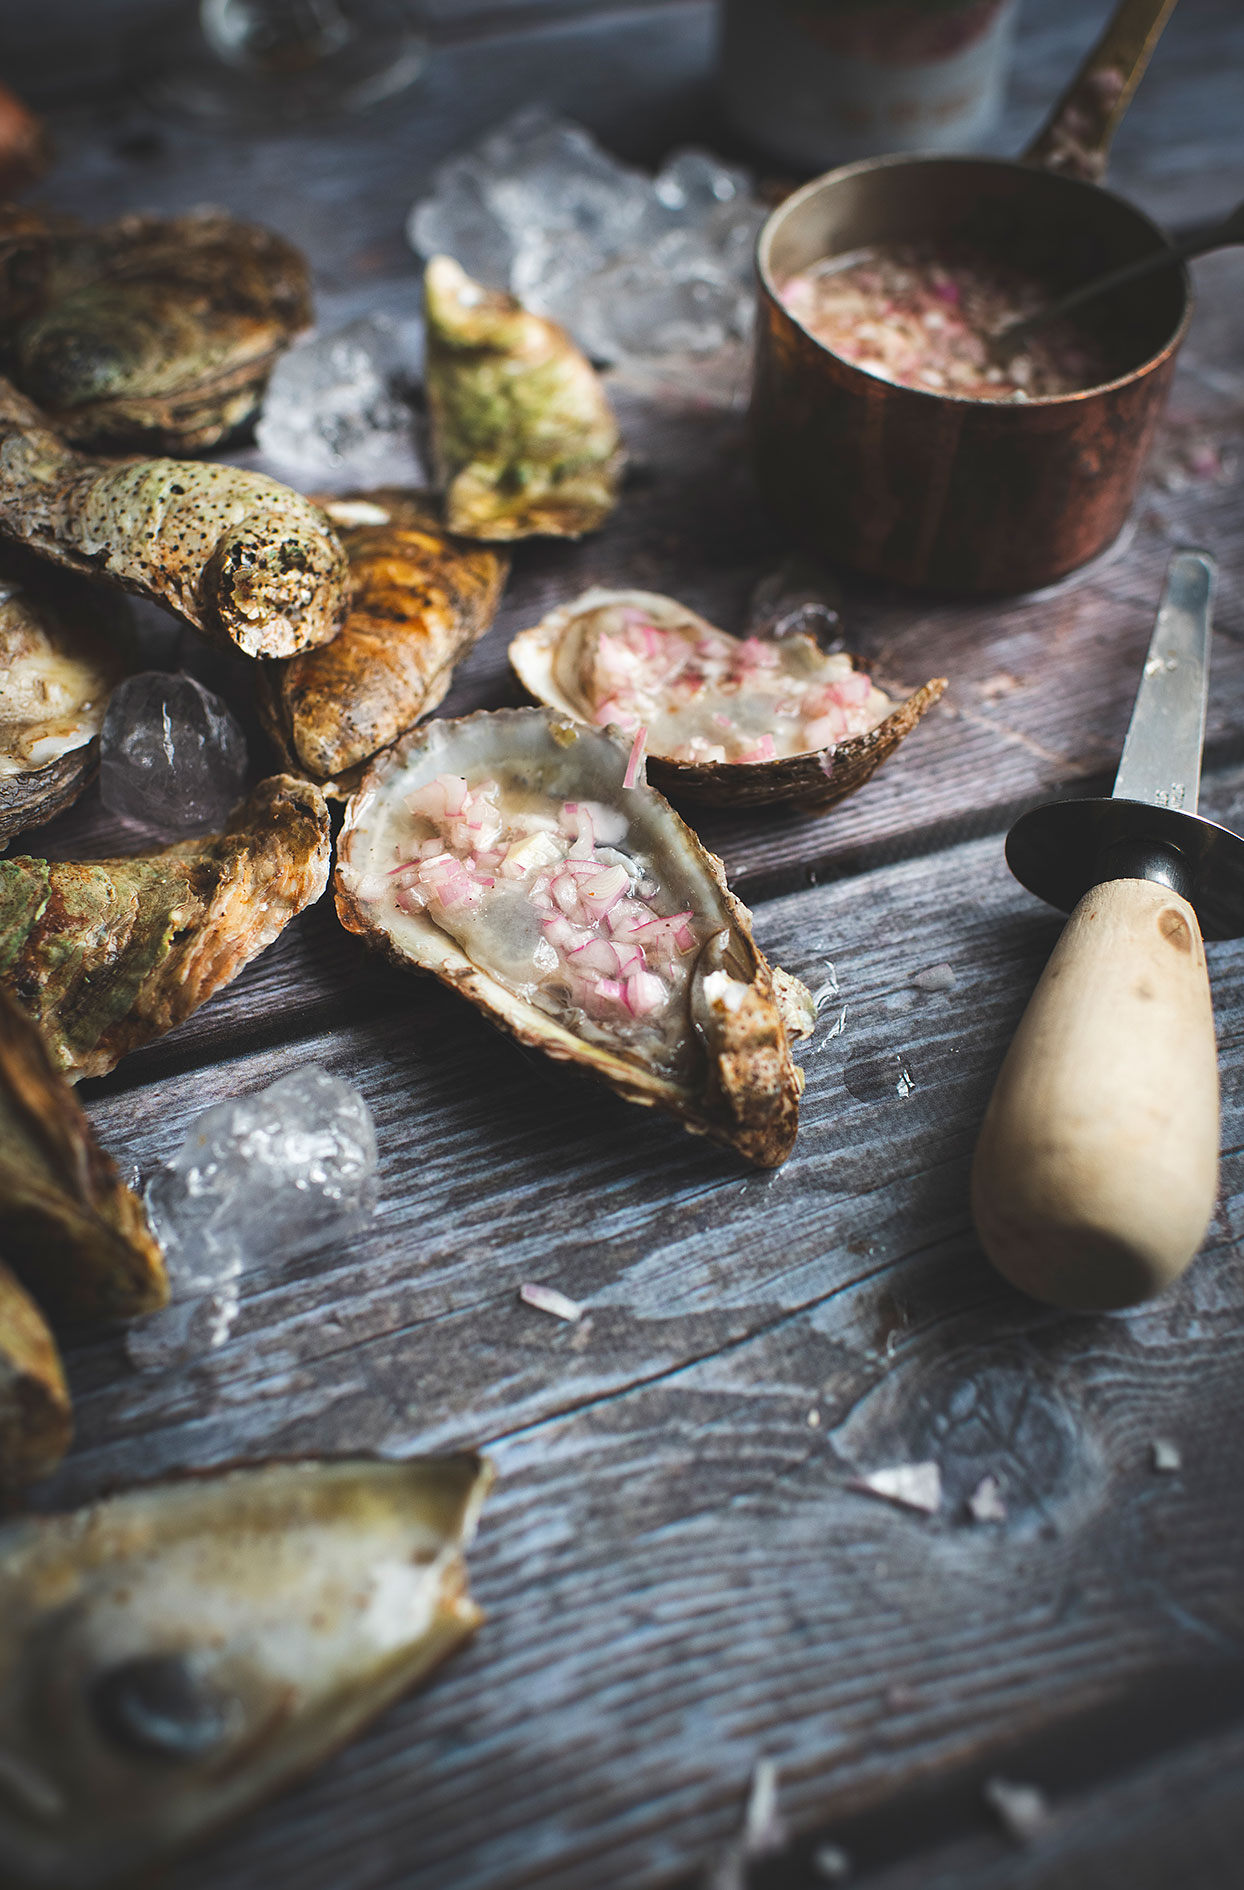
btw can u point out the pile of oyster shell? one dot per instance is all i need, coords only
(520, 856)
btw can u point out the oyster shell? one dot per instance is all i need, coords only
(77, 1237)
(524, 440)
(156, 332)
(542, 853)
(107, 954)
(242, 558)
(418, 601)
(727, 720)
(170, 1656)
(60, 657)
(36, 1421)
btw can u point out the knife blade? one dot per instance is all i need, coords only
(1161, 761)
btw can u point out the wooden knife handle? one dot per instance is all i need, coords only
(1096, 1169)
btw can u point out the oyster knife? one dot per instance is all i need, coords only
(1097, 1165)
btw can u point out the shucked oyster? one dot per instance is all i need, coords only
(522, 434)
(107, 954)
(60, 657)
(77, 1236)
(726, 719)
(155, 332)
(243, 559)
(418, 601)
(36, 1422)
(171, 1656)
(518, 857)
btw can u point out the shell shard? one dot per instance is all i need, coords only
(727, 719)
(107, 954)
(524, 440)
(504, 854)
(73, 1232)
(36, 1421)
(171, 1656)
(60, 657)
(156, 332)
(242, 558)
(418, 601)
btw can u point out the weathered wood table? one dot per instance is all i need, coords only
(678, 1577)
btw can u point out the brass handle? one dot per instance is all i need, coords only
(1077, 135)
(1097, 1166)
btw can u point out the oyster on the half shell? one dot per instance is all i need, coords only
(61, 643)
(524, 440)
(418, 600)
(520, 858)
(171, 1656)
(155, 332)
(726, 719)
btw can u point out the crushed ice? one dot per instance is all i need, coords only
(337, 413)
(263, 1176)
(171, 756)
(632, 265)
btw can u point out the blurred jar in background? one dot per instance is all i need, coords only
(818, 82)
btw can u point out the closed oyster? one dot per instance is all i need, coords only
(76, 1235)
(523, 437)
(156, 332)
(107, 954)
(726, 719)
(418, 601)
(173, 1655)
(510, 855)
(36, 1421)
(60, 657)
(242, 558)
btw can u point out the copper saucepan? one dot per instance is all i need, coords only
(941, 490)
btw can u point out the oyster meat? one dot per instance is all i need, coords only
(173, 1655)
(61, 644)
(523, 438)
(418, 601)
(518, 856)
(107, 954)
(242, 558)
(726, 719)
(76, 1235)
(156, 332)
(36, 1420)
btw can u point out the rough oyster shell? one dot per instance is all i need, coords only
(61, 643)
(36, 1420)
(524, 440)
(242, 558)
(107, 954)
(418, 601)
(546, 660)
(739, 1085)
(171, 1656)
(156, 332)
(78, 1238)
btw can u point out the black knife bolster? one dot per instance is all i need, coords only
(1139, 858)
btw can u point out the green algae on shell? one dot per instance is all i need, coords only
(524, 440)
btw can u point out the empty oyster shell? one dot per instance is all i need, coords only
(36, 1421)
(418, 601)
(171, 1656)
(523, 437)
(60, 657)
(242, 558)
(156, 332)
(508, 854)
(77, 1236)
(727, 720)
(107, 954)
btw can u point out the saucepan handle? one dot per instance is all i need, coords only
(1076, 136)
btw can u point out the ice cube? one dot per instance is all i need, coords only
(260, 1177)
(335, 413)
(692, 184)
(171, 756)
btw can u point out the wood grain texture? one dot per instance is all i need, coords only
(678, 1578)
